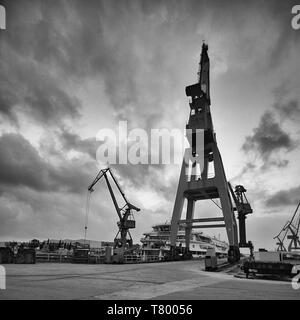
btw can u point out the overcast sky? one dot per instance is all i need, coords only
(70, 68)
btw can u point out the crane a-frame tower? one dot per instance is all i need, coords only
(203, 186)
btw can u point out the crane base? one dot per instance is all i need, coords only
(234, 254)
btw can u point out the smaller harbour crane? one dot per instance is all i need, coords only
(290, 231)
(123, 239)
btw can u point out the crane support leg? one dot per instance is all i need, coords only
(178, 206)
(188, 228)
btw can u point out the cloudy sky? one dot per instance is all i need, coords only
(70, 68)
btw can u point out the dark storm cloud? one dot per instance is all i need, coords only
(35, 93)
(284, 197)
(72, 141)
(27, 83)
(268, 138)
(280, 11)
(285, 105)
(104, 37)
(279, 163)
(288, 109)
(21, 165)
(6, 102)
(146, 175)
(73, 40)
(128, 43)
(248, 167)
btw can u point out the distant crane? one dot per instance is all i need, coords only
(123, 239)
(290, 231)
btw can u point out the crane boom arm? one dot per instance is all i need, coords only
(292, 220)
(118, 186)
(102, 173)
(113, 197)
(99, 176)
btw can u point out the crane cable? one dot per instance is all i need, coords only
(87, 209)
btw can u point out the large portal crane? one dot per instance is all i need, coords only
(123, 239)
(203, 176)
(290, 231)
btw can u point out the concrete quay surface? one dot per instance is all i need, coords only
(181, 280)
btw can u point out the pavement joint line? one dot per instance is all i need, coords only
(231, 277)
(95, 278)
(147, 292)
(225, 276)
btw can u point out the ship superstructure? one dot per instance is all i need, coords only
(159, 238)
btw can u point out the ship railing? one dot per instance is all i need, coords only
(66, 258)
(53, 257)
(132, 258)
(142, 258)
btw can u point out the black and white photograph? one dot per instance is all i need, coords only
(149, 153)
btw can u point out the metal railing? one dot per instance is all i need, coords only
(68, 258)
(53, 257)
(44, 257)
